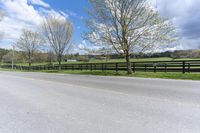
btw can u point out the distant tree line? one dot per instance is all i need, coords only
(49, 57)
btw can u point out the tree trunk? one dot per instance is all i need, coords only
(29, 64)
(59, 63)
(129, 67)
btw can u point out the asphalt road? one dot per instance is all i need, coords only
(53, 103)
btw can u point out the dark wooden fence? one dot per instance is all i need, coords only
(148, 66)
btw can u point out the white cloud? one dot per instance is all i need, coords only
(40, 3)
(186, 17)
(82, 45)
(75, 15)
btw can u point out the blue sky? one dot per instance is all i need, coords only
(185, 14)
(76, 9)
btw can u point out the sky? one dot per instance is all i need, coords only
(185, 14)
(21, 14)
(28, 14)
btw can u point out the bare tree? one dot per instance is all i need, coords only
(128, 26)
(29, 43)
(58, 32)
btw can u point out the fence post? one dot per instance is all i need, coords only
(95, 67)
(102, 67)
(155, 68)
(189, 67)
(81, 67)
(165, 67)
(183, 67)
(134, 67)
(116, 67)
(145, 68)
(90, 67)
(86, 67)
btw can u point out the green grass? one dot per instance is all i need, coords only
(112, 60)
(1, 69)
(134, 60)
(144, 59)
(162, 75)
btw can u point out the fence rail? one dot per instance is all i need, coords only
(148, 66)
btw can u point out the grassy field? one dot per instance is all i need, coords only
(112, 60)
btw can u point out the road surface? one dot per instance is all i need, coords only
(56, 103)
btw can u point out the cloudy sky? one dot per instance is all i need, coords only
(28, 14)
(186, 17)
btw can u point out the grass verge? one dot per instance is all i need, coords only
(174, 75)
(162, 75)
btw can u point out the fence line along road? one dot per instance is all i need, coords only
(147, 66)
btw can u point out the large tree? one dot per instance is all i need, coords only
(128, 26)
(58, 32)
(29, 43)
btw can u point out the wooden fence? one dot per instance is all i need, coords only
(148, 66)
